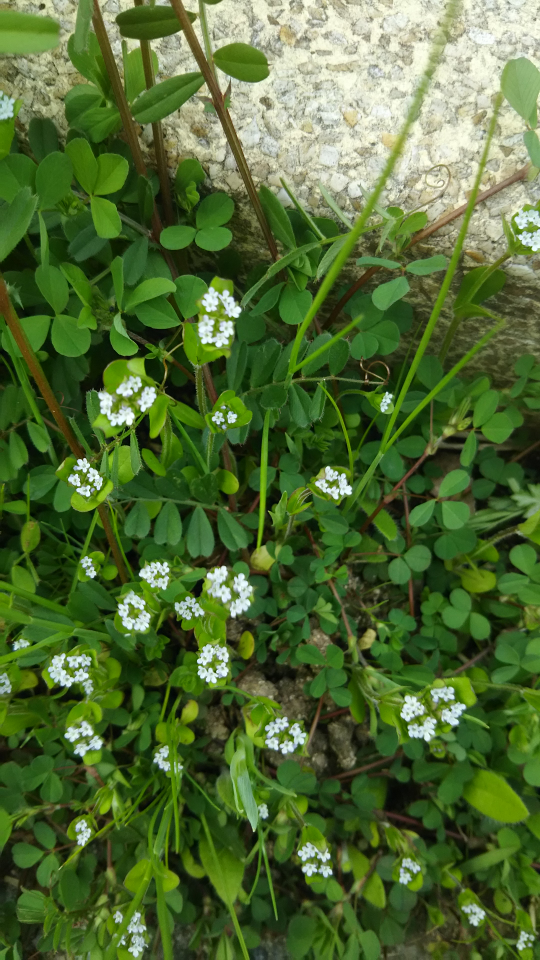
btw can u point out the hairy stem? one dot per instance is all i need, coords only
(226, 122)
(37, 373)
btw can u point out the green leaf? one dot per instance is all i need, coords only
(53, 286)
(53, 179)
(232, 535)
(16, 218)
(24, 854)
(32, 907)
(398, 571)
(300, 935)
(22, 33)
(148, 290)
(5, 828)
(493, 797)
(370, 944)
(168, 525)
(137, 522)
(134, 878)
(485, 407)
(422, 513)
(112, 171)
(498, 428)
(388, 293)
(188, 290)
(531, 141)
(166, 97)
(214, 211)
(523, 557)
(294, 304)
(469, 450)
(189, 416)
(422, 268)
(82, 25)
(68, 339)
(377, 262)
(226, 872)
(158, 314)
(418, 558)
(85, 165)
(43, 137)
(454, 482)
(278, 220)
(200, 537)
(452, 544)
(213, 238)
(387, 334)
(176, 238)
(454, 514)
(149, 23)
(121, 342)
(16, 171)
(243, 62)
(520, 84)
(106, 218)
(373, 891)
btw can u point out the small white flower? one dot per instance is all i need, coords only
(66, 670)
(93, 482)
(412, 708)
(263, 811)
(5, 684)
(224, 418)
(129, 387)
(452, 714)
(84, 738)
(423, 731)
(212, 663)
(188, 609)
(314, 861)
(162, 759)
(283, 737)
(7, 106)
(156, 574)
(408, 869)
(21, 643)
(217, 333)
(385, 402)
(334, 484)
(476, 914)
(146, 399)
(133, 613)
(88, 566)
(83, 831)
(118, 917)
(130, 397)
(234, 591)
(443, 693)
(525, 941)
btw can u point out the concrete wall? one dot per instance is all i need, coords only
(342, 73)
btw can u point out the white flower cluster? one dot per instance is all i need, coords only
(263, 811)
(85, 478)
(235, 592)
(413, 707)
(216, 330)
(224, 418)
(5, 684)
(135, 931)
(385, 402)
(84, 832)
(283, 737)
(524, 219)
(88, 566)
(334, 483)
(525, 940)
(161, 758)
(66, 671)
(156, 574)
(188, 609)
(84, 738)
(7, 106)
(474, 913)
(117, 410)
(313, 861)
(21, 643)
(133, 613)
(408, 868)
(212, 663)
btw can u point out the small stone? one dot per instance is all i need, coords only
(354, 190)
(250, 135)
(338, 182)
(482, 37)
(307, 126)
(286, 35)
(269, 147)
(389, 139)
(351, 117)
(329, 156)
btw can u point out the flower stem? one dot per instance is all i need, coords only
(456, 321)
(263, 477)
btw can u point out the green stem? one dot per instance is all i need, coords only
(17, 654)
(350, 243)
(445, 286)
(31, 399)
(344, 430)
(329, 344)
(84, 551)
(189, 442)
(224, 887)
(119, 542)
(110, 952)
(32, 597)
(203, 22)
(263, 478)
(456, 321)
(199, 389)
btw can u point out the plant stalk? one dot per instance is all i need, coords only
(263, 478)
(456, 320)
(226, 122)
(36, 370)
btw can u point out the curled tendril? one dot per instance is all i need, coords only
(439, 183)
(369, 372)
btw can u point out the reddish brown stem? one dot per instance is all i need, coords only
(368, 766)
(422, 235)
(38, 375)
(390, 496)
(479, 656)
(315, 720)
(226, 122)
